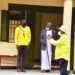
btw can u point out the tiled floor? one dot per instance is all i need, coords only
(28, 72)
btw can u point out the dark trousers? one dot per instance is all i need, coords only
(21, 57)
(63, 66)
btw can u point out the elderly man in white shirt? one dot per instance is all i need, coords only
(46, 47)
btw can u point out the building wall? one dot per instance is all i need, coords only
(73, 3)
(4, 6)
(4, 3)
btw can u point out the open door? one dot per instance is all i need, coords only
(30, 52)
(4, 25)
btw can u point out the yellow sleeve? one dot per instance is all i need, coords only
(29, 35)
(16, 36)
(57, 42)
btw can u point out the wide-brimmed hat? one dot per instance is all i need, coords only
(63, 28)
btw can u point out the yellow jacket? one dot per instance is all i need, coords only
(62, 47)
(22, 35)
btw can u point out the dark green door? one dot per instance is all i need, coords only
(4, 25)
(30, 52)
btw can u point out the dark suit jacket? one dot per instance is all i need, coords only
(43, 38)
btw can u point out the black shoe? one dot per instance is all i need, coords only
(48, 71)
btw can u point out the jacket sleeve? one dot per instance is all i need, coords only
(29, 35)
(16, 36)
(54, 35)
(42, 40)
(57, 42)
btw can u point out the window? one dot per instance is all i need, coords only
(12, 25)
(14, 21)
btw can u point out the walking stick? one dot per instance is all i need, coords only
(47, 54)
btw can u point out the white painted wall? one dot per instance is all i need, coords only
(8, 49)
(8, 53)
(4, 6)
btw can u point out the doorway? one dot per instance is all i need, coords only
(37, 17)
(41, 21)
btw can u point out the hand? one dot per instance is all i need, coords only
(49, 37)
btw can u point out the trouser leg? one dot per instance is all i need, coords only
(19, 57)
(24, 57)
(63, 66)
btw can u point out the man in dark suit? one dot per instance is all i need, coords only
(46, 47)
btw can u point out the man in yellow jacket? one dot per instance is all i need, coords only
(22, 41)
(62, 53)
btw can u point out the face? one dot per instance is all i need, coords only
(49, 25)
(23, 23)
